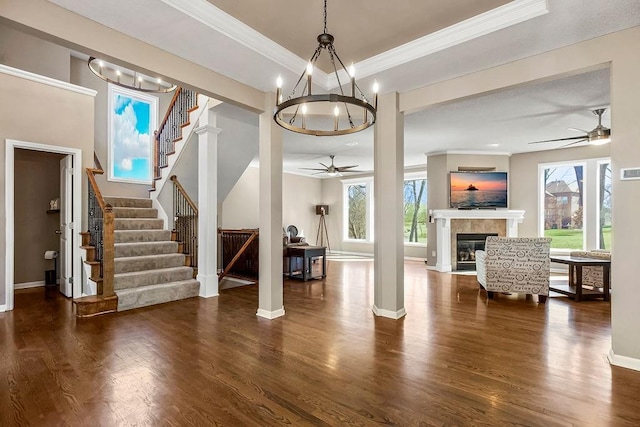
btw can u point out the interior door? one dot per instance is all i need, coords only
(65, 258)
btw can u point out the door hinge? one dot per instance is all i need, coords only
(70, 226)
(71, 280)
(70, 171)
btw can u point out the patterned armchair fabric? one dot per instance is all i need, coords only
(515, 264)
(592, 275)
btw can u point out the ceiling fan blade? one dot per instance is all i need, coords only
(327, 167)
(560, 139)
(314, 169)
(352, 170)
(346, 167)
(574, 142)
(578, 130)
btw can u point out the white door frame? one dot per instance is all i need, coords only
(9, 180)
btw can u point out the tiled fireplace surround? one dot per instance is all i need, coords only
(450, 222)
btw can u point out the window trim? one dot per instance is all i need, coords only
(368, 183)
(600, 162)
(153, 125)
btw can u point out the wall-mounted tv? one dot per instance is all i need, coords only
(478, 190)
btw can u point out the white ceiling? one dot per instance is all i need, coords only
(510, 118)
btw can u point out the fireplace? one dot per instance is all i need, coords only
(466, 246)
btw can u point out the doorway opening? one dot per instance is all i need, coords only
(68, 215)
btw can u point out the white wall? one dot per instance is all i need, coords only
(300, 195)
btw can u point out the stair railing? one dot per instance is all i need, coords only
(170, 130)
(240, 250)
(100, 237)
(185, 222)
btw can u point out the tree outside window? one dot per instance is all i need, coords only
(415, 211)
(604, 205)
(357, 212)
(563, 206)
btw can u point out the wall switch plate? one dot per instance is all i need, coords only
(433, 253)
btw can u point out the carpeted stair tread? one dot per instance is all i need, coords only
(137, 279)
(135, 212)
(139, 224)
(129, 236)
(147, 262)
(128, 202)
(157, 294)
(145, 248)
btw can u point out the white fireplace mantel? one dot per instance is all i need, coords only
(443, 219)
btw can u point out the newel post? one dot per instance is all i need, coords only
(108, 245)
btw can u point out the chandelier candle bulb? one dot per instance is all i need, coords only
(304, 115)
(279, 90)
(309, 72)
(336, 114)
(118, 75)
(375, 94)
(352, 74)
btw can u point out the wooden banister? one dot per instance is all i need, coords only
(92, 180)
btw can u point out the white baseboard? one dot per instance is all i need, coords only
(3, 308)
(623, 361)
(270, 314)
(28, 285)
(388, 313)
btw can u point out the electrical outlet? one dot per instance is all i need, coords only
(433, 253)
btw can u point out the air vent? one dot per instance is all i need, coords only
(630, 173)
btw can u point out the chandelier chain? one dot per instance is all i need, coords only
(325, 16)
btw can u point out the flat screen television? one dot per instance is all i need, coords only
(478, 190)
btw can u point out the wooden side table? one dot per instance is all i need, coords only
(574, 286)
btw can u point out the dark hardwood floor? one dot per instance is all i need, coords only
(455, 359)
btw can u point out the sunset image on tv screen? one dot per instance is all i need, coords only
(478, 189)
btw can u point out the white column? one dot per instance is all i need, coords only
(388, 209)
(208, 203)
(270, 300)
(443, 247)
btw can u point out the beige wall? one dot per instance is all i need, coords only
(34, 112)
(23, 51)
(439, 166)
(300, 195)
(37, 182)
(524, 191)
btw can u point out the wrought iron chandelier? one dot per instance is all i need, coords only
(351, 113)
(128, 79)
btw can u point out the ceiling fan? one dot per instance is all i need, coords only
(598, 136)
(333, 170)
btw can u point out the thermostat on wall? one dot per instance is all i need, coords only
(630, 173)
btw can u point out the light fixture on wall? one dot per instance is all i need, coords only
(128, 79)
(351, 113)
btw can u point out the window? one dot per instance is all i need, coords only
(358, 211)
(415, 211)
(132, 120)
(563, 220)
(604, 205)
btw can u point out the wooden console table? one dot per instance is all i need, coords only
(307, 253)
(573, 287)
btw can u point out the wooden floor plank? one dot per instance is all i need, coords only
(457, 358)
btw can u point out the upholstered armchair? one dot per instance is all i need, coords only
(515, 264)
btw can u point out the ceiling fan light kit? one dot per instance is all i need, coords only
(291, 113)
(600, 135)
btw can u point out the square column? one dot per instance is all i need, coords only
(208, 202)
(388, 209)
(270, 300)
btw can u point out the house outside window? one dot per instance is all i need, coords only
(575, 204)
(132, 119)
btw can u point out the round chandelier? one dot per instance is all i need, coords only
(128, 79)
(351, 112)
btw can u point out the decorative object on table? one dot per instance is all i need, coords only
(322, 210)
(598, 136)
(333, 170)
(356, 112)
(129, 79)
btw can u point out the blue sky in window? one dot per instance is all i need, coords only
(131, 138)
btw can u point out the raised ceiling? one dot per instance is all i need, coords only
(362, 28)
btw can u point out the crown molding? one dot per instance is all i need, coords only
(46, 80)
(512, 13)
(469, 152)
